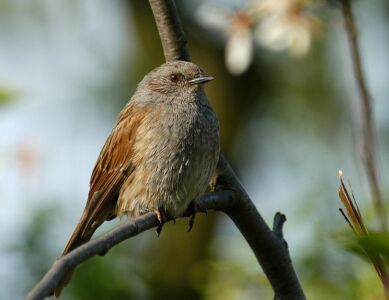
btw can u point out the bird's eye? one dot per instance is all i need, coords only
(175, 77)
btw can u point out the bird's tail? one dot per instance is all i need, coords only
(81, 234)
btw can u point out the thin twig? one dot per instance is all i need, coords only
(278, 224)
(368, 154)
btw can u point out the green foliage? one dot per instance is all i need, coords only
(377, 242)
(6, 96)
(108, 277)
(111, 277)
(34, 246)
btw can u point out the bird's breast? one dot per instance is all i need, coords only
(176, 153)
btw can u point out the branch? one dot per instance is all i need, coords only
(278, 224)
(170, 30)
(101, 245)
(269, 247)
(367, 114)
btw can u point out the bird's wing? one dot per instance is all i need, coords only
(113, 166)
(114, 163)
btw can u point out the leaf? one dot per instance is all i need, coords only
(354, 217)
(350, 243)
(376, 242)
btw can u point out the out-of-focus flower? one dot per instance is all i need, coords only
(237, 28)
(24, 158)
(284, 25)
(271, 7)
(275, 24)
(240, 45)
(27, 157)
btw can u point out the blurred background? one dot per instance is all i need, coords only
(286, 99)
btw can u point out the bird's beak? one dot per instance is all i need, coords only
(201, 79)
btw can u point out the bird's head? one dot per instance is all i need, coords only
(175, 79)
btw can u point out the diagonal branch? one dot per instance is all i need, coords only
(269, 247)
(100, 246)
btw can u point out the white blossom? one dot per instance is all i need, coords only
(277, 25)
(285, 25)
(236, 27)
(240, 45)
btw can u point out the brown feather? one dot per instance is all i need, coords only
(114, 163)
(112, 168)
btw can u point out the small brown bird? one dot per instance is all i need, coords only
(160, 155)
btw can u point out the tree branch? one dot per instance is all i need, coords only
(101, 245)
(367, 114)
(269, 247)
(170, 30)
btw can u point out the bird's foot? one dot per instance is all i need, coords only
(162, 217)
(193, 208)
(161, 220)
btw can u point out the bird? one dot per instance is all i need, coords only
(159, 157)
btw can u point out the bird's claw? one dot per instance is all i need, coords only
(161, 219)
(191, 221)
(194, 208)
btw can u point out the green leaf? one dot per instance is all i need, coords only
(377, 242)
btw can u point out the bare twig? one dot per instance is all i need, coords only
(278, 224)
(368, 154)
